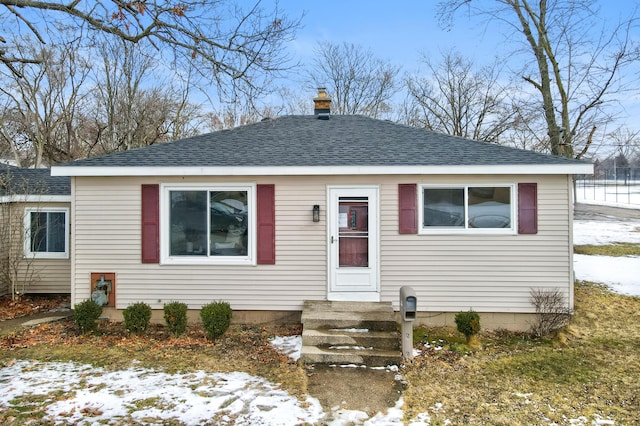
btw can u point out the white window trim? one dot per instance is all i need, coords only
(249, 259)
(27, 233)
(512, 230)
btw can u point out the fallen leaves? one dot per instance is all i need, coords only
(29, 305)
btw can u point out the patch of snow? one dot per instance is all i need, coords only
(393, 416)
(94, 395)
(288, 345)
(343, 417)
(351, 330)
(598, 232)
(355, 348)
(620, 274)
(422, 419)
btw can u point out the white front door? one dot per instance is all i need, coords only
(353, 243)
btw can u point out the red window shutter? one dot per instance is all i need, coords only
(150, 223)
(527, 208)
(266, 237)
(407, 209)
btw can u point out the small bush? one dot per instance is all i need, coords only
(86, 314)
(137, 317)
(468, 323)
(552, 311)
(175, 316)
(216, 318)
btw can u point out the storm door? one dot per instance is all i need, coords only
(353, 243)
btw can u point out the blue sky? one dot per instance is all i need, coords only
(396, 31)
(400, 30)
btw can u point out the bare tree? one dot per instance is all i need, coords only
(134, 105)
(626, 144)
(42, 105)
(577, 62)
(456, 98)
(626, 141)
(231, 42)
(284, 101)
(357, 81)
(18, 271)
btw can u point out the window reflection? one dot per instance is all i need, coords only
(208, 223)
(444, 207)
(467, 207)
(228, 223)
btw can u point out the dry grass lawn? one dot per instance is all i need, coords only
(591, 370)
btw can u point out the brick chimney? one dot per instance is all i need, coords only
(322, 104)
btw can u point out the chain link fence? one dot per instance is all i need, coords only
(610, 185)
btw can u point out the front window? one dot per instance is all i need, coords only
(209, 224)
(46, 233)
(466, 208)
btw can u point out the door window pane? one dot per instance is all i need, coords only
(353, 233)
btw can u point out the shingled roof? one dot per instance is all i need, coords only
(307, 141)
(23, 181)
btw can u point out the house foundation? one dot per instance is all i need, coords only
(488, 320)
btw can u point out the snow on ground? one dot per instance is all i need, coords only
(94, 395)
(620, 274)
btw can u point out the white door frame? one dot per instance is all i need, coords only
(351, 283)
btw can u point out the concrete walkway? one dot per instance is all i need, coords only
(16, 324)
(606, 213)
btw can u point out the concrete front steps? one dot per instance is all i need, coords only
(350, 333)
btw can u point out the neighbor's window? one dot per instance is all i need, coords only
(46, 233)
(212, 223)
(467, 207)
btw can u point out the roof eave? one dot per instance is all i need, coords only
(34, 198)
(510, 169)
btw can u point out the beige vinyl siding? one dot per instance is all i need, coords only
(35, 275)
(51, 276)
(491, 273)
(107, 230)
(487, 273)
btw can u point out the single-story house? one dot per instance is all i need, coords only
(324, 207)
(34, 231)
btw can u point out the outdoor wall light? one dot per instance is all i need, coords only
(316, 213)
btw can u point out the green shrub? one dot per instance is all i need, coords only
(175, 315)
(468, 323)
(137, 317)
(216, 318)
(86, 314)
